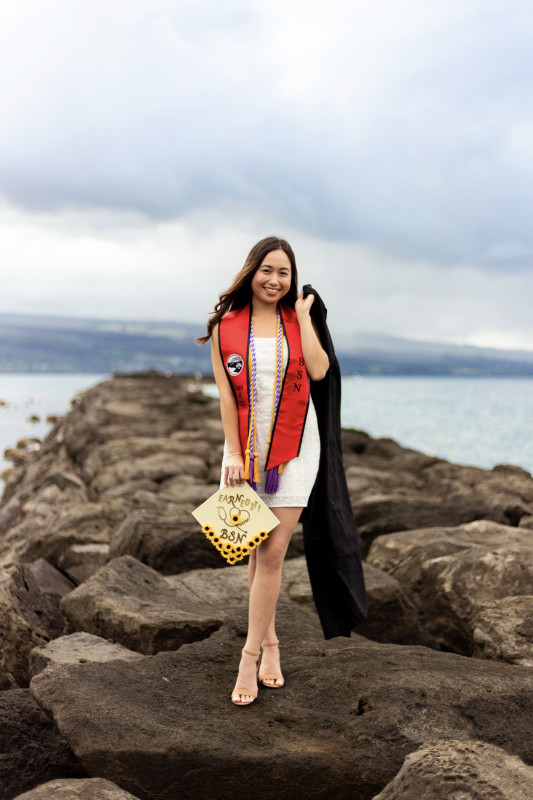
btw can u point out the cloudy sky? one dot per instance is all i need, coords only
(145, 145)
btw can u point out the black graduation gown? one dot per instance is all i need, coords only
(332, 549)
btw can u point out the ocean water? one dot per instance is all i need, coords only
(39, 394)
(476, 421)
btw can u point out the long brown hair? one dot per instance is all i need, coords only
(240, 291)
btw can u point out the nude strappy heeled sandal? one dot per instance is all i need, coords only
(274, 677)
(244, 690)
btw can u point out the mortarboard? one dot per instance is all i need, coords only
(235, 520)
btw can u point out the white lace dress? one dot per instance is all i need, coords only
(298, 476)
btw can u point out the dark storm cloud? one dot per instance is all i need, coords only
(412, 130)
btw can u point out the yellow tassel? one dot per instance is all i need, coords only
(249, 443)
(280, 468)
(256, 468)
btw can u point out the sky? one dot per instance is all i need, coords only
(146, 145)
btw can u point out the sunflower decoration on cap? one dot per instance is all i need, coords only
(236, 521)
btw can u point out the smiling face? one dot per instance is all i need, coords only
(272, 279)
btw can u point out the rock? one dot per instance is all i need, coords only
(77, 648)
(392, 616)
(30, 443)
(117, 452)
(503, 629)
(460, 769)
(34, 519)
(80, 523)
(157, 467)
(18, 455)
(350, 712)
(9, 514)
(384, 514)
(50, 466)
(82, 789)
(29, 616)
(394, 488)
(130, 489)
(211, 431)
(526, 522)
(226, 588)
(80, 561)
(32, 750)
(509, 471)
(169, 544)
(131, 604)
(7, 474)
(463, 583)
(175, 490)
(452, 573)
(148, 406)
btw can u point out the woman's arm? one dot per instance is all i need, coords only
(315, 357)
(234, 466)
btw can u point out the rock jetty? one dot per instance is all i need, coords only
(121, 625)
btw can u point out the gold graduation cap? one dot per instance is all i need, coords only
(235, 520)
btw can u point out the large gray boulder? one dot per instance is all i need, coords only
(131, 604)
(454, 768)
(350, 712)
(452, 574)
(29, 616)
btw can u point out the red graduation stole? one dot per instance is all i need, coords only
(288, 425)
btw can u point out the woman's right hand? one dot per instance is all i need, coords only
(234, 471)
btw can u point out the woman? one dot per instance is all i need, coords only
(265, 348)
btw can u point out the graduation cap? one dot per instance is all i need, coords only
(235, 520)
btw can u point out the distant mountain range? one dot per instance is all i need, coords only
(40, 343)
(375, 353)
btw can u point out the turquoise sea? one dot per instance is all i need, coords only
(477, 421)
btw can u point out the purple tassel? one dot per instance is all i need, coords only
(272, 481)
(251, 481)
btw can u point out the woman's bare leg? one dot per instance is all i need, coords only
(270, 661)
(270, 635)
(264, 579)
